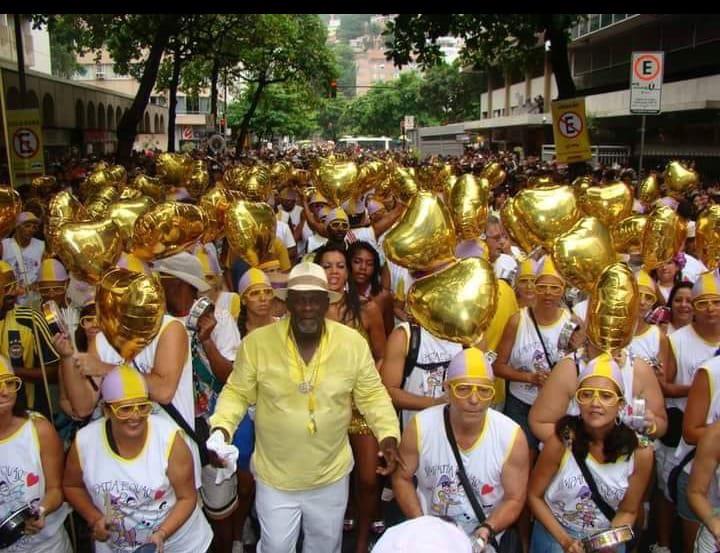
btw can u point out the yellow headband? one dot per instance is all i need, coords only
(6, 369)
(546, 267)
(644, 280)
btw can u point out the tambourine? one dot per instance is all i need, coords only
(197, 310)
(12, 528)
(508, 275)
(608, 538)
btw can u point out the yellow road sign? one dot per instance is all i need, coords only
(572, 140)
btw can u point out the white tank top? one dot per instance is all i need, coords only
(22, 482)
(690, 351)
(527, 353)
(647, 345)
(184, 399)
(439, 488)
(26, 270)
(627, 370)
(228, 301)
(569, 498)
(712, 368)
(427, 376)
(135, 494)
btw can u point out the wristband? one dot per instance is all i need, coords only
(652, 429)
(164, 533)
(490, 529)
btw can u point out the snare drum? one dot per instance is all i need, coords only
(197, 310)
(608, 538)
(12, 528)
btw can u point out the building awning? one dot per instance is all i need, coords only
(520, 120)
(662, 150)
(666, 108)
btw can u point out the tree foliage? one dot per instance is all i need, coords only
(495, 40)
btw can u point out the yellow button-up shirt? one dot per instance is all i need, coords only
(268, 372)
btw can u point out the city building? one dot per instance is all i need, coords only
(75, 116)
(600, 54)
(193, 120)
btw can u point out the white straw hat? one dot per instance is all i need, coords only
(307, 277)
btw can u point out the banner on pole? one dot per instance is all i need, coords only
(572, 140)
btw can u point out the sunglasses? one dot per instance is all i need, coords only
(484, 392)
(608, 398)
(650, 298)
(89, 320)
(10, 287)
(552, 289)
(704, 305)
(339, 225)
(527, 281)
(11, 384)
(124, 412)
(261, 293)
(53, 290)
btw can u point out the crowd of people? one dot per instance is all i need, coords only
(282, 404)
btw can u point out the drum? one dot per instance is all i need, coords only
(13, 527)
(219, 500)
(566, 333)
(607, 539)
(197, 310)
(54, 319)
(146, 548)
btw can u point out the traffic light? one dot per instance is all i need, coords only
(333, 89)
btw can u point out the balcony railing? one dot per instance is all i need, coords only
(597, 21)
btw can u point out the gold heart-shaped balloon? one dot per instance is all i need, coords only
(43, 183)
(124, 213)
(89, 249)
(628, 234)
(172, 169)
(494, 173)
(96, 181)
(63, 208)
(544, 180)
(199, 179)
(547, 211)
(664, 235)
(99, 202)
(255, 184)
(250, 230)
(679, 180)
(215, 202)
(582, 253)
(10, 208)
(649, 190)
(149, 186)
(424, 237)
(458, 302)
(707, 236)
(402, 183)
(469, 205)
(516, 227)
(610, 203)
(280, 172)
(118, 174)
(166, 229)
(101, 166)
(130, 310)
(613, 309)
(336, 181)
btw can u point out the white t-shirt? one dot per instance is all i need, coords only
(283, 232)
(693, 268)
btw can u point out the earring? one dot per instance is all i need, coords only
(618, 420)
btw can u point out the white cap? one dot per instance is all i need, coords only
(307, 277)
(184, 266)
(424, 534)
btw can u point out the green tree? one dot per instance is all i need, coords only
(451, 95)
(133, 41)
(63, 60)
(353, 25)
(347, 69)
(285, 109)
(499, 40)
(331, 119)
(278, 48)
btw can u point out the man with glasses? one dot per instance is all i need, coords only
(690, 347)
(24, 337)
(498, 246)
(52, 286)
(303, 372)
(492, 447)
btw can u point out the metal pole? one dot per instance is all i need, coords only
(20, 58)
(642, 146)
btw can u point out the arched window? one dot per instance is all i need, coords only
(13, 98)
(110, 118)
(156, 128)
(32, 100)
(101, 116)
(79, 115)
(147, 128)
(118, 116)
(91, 116)
(48, 111)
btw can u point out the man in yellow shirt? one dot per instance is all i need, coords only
(303, 373)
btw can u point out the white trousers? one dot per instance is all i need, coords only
(320, 511)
